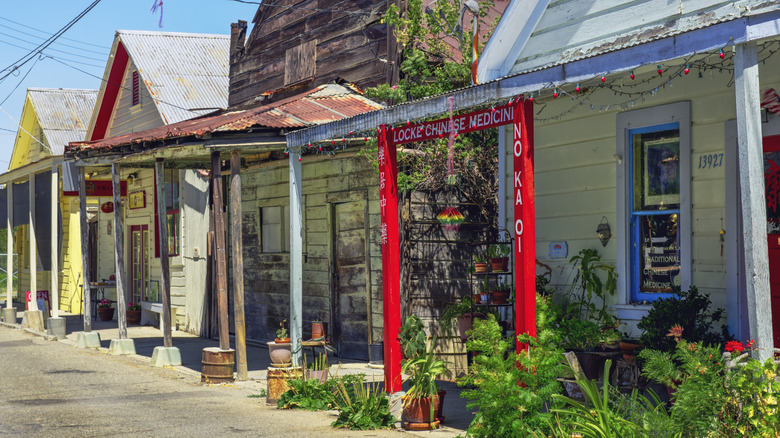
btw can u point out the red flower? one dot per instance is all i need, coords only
(732, 346)
(751, 344)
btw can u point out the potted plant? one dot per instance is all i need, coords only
(498, 253)
(133, 313)
(422, 400)
(460, 312)
(412, 337)
(480, 265)
(280, 349)
(105, 311)
(500, 295)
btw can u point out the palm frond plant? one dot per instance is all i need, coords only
(423, 371)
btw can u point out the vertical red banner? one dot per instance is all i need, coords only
(391, 258)
(525, 221)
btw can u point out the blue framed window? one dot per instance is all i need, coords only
(654, 183)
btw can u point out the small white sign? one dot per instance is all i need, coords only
(559, 250)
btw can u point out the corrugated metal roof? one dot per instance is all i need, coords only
(63, 114)
(186, 73)
(323, 104)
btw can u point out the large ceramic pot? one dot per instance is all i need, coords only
(280, 354)
(590, 364)
(134, 317)
(418, 410)
(465, 322)
(105, 313)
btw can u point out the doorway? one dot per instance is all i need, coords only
(139, 259)
(350, 291)
(772, 194)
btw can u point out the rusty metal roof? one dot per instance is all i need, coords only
(63, 114)
(186, 73)
(323, 104)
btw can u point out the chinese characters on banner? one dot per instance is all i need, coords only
(525, 227)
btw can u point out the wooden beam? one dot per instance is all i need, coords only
(33, 241)
(238, 265)
(165, 274)
(85, 288)
(219, 230)
(119, 251)
(55, 247)
(296, 258)
(751, 178)
(9, 248)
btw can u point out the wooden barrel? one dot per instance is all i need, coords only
(217, 365)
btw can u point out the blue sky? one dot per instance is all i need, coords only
(26, 23)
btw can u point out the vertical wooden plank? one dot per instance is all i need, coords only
(391, 274)
(55, 247)
(238, 265)
(9, 248)
(119, 251)
(751, 177)
(219, 234)
(296, 258)
(85, 251)
(165, 273)
(525, 226)
(33, 247)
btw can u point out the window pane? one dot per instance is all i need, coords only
(659, 253)
(772, 181)
(271, 236)
(656, 170)
(286, 229)
(174, 232)
(172, 189)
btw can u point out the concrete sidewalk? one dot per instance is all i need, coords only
(146, 338)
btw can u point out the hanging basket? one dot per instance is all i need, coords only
(450, 218)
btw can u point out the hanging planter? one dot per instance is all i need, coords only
(450, 218)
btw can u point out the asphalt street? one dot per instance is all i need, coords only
(52, 389)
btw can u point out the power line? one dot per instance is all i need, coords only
(22, 128)
(46, 53)
(46, 33)
(52, 48)
(21, 80)
(26, 58)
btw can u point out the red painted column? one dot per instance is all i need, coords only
(391, 258)
(525, 221)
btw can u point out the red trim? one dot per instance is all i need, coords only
(156, 221)
(525, 221)
(100, 187)
(391, 271)
(772, 143)
(115, 77)
(464, 123)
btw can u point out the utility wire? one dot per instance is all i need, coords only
(52, 48)
(26, 34)
(21, 80)
(64, 38)
(28, 57)
(22, 128)
(46, 53)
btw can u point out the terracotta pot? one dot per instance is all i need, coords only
(134, 317)
(500, 264)
(105, 313)
(628, 349)
(418, 410)
(282, 340)
(280, 354)
(500, 296)
(318, 330)
(480, 267)
(440, 408)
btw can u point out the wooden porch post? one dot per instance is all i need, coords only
(219, 231)
(33, 247)
(391, 271)
(296, 259)
(55, 247)
(751, 178)
(9, 262)
(238, 265)
(162, 230)
(119, 251)
(84, 251)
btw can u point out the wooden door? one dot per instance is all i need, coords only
(139, 259)
(772, 181)
(350, 298)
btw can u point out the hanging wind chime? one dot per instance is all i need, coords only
(450, 218)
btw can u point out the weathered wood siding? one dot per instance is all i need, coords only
(346, 46)
(267, 275)
(576, 174)
(572, 29)
(127, 117)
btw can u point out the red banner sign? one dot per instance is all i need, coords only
(476, 121)
(100, 187)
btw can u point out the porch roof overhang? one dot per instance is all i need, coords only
(24, 172)
(710, 38)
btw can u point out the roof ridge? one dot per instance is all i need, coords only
(67, 90)
(176, 34)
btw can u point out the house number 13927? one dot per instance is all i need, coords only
(708, 161)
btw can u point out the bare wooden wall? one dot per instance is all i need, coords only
(299, 48)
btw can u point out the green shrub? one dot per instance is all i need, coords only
(362, 406)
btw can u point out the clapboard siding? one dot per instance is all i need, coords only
(573, 29)
(128, 118)
(351, 47)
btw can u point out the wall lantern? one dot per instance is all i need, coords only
(603, 231)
